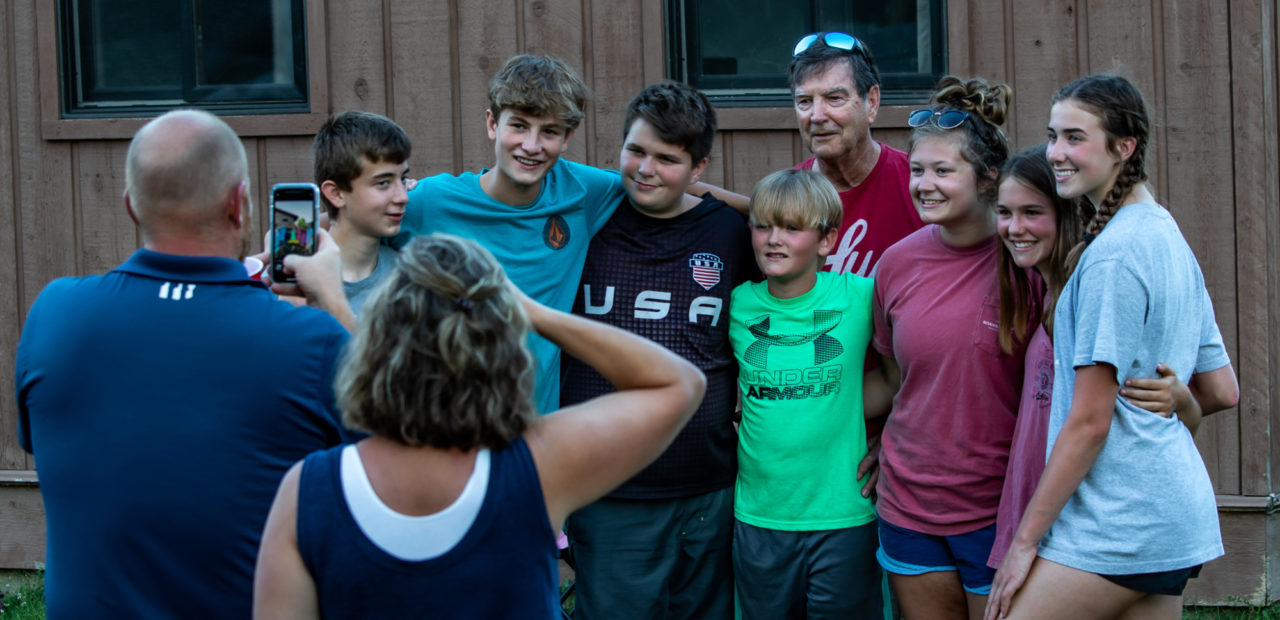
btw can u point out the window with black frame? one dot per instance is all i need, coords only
(737, 51)
(139, 57)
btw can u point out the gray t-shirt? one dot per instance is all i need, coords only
(358, 292)
(1137, 298)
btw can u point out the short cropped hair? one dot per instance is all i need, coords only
(347, 137)
(820, 57)
(159, 165)
(679, 114)
(541, 86)
(439, 358)
(797, 197)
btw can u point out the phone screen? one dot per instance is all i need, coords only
(294, 208)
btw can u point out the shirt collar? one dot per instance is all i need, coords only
(187, 268)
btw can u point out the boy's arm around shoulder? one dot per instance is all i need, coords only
(739, 202)
(879, 385)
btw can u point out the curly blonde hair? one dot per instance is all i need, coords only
(985, 145)
(440, 357)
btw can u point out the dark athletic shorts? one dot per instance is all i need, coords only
(654, 559)
(1170, 582)
(814, 574)
(908, 552)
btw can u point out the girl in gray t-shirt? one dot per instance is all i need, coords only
(1125, 507)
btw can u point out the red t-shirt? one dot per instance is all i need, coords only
(878, 212)
(946, 443)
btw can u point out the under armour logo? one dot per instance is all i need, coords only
(825, 348)
(176, 291)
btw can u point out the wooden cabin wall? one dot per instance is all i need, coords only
(1208, 70)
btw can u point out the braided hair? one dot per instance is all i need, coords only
(1122, 114)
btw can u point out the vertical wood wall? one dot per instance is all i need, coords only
(1208, 69)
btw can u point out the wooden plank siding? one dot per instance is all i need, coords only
(1196, 60)
(1253, 101)
(1210, 72)
(12, 308)
(1267, 213)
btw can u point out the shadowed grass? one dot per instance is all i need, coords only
(23, 601)
(1232, 613)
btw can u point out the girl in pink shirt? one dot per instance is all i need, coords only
(946, 443)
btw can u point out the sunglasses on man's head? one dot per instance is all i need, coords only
(946, 119)
(838, 40)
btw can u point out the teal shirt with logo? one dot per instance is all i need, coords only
(542, 245)
(802, 434)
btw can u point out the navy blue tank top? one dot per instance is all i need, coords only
(504, 567)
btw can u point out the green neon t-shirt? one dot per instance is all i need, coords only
(802, 432)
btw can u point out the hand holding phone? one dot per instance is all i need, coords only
(295, 207)
(318, 281)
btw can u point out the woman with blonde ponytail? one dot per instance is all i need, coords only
(946, 442)
(450, 508)
(1124, 513)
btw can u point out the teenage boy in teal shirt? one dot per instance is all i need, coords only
(534, 211)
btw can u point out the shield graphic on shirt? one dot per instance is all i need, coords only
(706, 269)
(555, 233)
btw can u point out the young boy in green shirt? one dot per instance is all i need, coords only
(804, 537)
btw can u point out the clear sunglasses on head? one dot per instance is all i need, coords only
(838, 40)
(946, 119)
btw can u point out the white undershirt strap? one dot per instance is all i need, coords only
(408, 537)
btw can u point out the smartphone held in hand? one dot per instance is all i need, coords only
(295, 208)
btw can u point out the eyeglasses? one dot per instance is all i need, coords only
(946, 119)
(833, 39)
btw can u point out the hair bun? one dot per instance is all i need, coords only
(975, 96)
